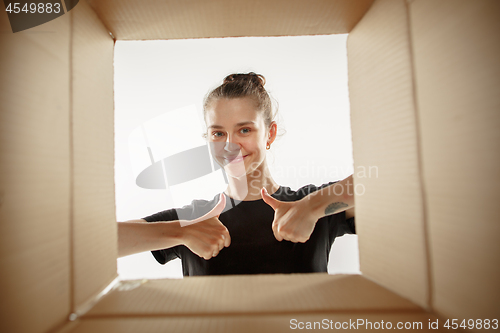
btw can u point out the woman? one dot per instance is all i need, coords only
(246, 230)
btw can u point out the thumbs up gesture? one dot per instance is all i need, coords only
(293, 220)
(206, 236)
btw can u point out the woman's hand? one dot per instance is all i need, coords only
(293, 220)
(206, 236)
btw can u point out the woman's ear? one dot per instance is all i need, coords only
(273, 129)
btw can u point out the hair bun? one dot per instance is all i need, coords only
(257, 79)
(241, 85)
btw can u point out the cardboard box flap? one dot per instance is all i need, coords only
(156, 19)
(94, 227)
(368, 321)
(34, 176)
(390, 212)
(249, 294)
(457, 52)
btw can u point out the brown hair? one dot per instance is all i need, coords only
(243, 85)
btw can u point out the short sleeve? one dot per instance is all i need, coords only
(166, 215)
(345, 226)
(165, 255)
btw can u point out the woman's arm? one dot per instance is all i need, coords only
(295, 221)
(332, 199)
(139, 236)
(205, 236)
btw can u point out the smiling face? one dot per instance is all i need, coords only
(238, 135)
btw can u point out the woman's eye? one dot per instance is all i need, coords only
(245, 130)
(217, 134)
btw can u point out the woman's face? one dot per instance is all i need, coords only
(238, 135)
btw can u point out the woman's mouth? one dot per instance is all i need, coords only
(234, 158)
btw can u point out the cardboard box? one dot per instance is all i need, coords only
(424, 78)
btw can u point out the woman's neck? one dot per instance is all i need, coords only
(247, 188)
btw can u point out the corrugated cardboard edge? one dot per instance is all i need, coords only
(134, 20)
(249, 294)
(261, 317)
(262, 323)
(94, 235)
(389, 215)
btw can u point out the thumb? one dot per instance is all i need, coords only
(274, 203)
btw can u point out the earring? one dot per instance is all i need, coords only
(268, 146)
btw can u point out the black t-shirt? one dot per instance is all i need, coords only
(254, 249)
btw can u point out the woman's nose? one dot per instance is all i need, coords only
(231, 147)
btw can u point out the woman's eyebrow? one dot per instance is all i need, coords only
(215, 126)
(244, 123)
(237, 125)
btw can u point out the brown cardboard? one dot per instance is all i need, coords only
(261, 323)
(389, 215)
(94, 230)
(158, 19)
(34, 176)
(249, 294)
(457, 47)
(421, 99)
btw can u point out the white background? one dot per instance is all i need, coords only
(159, 89)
